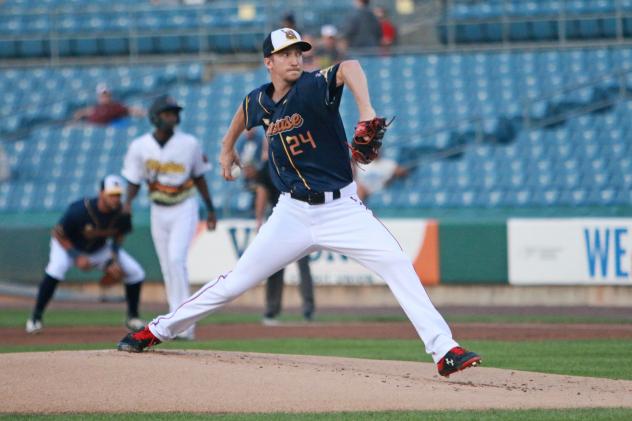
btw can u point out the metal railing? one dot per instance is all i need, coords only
(421, 31)
(561, 19)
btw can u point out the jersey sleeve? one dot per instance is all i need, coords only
(326, 85)
(133, 168)
(200, 161)
(253, 108)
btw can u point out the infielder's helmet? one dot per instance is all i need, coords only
(162, 103)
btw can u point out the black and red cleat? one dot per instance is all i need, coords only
(457, 359)
(138, 341)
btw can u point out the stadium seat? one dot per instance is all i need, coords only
(582, 160)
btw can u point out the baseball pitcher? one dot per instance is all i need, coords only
(310, 163)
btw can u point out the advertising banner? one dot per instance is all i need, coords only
(213, 253)
(570, 251)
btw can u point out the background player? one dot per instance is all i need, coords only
(89, 236)
(172, 164)
(318, 209)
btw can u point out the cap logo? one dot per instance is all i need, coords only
(290, 35)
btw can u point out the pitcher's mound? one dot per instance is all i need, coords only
(207, 381)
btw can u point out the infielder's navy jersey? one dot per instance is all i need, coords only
(307, 144)
(86, 227)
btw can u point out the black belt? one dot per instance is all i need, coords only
(161, 203)
(314, 198)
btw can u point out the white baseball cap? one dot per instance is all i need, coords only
(282, 38)
(112, 184)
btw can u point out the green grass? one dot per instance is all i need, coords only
(109, 317)
(594, 358)
(491, 415)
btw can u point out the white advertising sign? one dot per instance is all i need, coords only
(570, 251)
(213, 253)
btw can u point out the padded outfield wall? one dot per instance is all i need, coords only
(528, 251)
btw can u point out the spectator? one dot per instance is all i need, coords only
(377, 175)
(389, 32)
(310, 58)
(289, 21)
(362, 29)
(327, 53)
(106, 110)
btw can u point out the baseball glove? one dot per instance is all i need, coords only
(367, 139)
(122, 224)
(112, 274)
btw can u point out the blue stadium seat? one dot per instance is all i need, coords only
(33, 48)
(590, 29)
(520, 31)
(8, 49)
(561, 166)
(85, 47)
(168, 44)
(115, 46)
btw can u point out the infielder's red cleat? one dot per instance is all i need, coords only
(138, 341)
(457, 359)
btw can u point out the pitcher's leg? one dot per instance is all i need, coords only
(306, 287)
(281, 240)
(355, 232)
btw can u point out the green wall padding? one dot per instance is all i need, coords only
(24, 254)
(473, 252)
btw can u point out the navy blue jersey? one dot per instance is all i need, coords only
(88, 228)
(307, 144)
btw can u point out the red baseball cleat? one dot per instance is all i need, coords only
(138, 341)
(457, 359)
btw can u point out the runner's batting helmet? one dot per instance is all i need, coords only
(162, 103)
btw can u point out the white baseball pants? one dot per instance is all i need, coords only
(59, 262)
(172, 230)
(295, 229)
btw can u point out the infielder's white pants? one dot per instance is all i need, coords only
(172, 229)
(60, 262)
(295, 229)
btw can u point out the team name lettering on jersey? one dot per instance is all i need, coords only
(285, 124)
(166, 167)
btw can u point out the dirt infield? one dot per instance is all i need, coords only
(209, 381)
(206, 381)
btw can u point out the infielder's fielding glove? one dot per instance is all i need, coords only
(112, 274)
(367, 139)
(122, 224)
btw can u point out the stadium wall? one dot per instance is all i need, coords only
(24, 254)
(520, 251)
